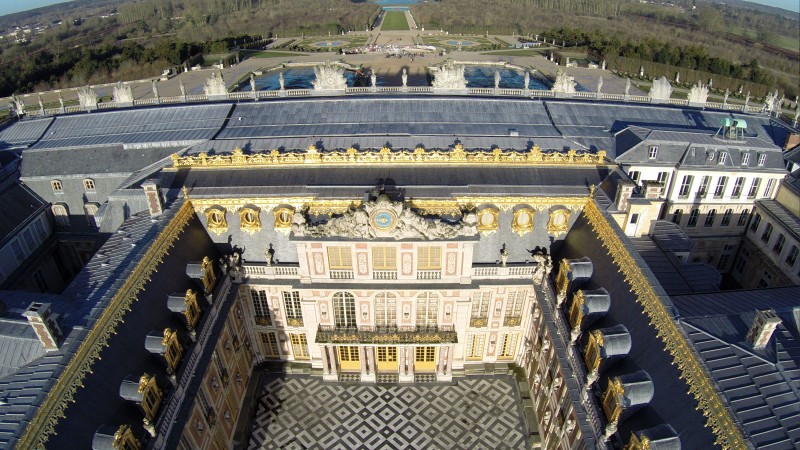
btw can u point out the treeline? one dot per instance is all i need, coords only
(688, 57)
(97, 64)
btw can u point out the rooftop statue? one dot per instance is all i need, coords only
(661, 89)
(385, 218)
(699, 94)
(449, 76)
(329, 76)
(87, 97)
(496, 79)
(564, 83)
(215, 85)
(123, 93)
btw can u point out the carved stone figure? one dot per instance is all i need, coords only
(627, 87)
(155, 89)
(18, 105)
(678, 78)
(215, 86)
(746, 101)
(496, 79)
(61, 101)
(599, 85)
(329, 76)
(405, 77)
(87, 98)
(564, 83)
(449, 76)
(661, 89)
(388, 219)
(769, 102)
(122, 93)
(373, 79)
(725, 99)
(591, 378)
(41, 103)
(569, 425)
(280, 80)
(252, 83)
(698, 94)
(611, 428)
(527, 80)
(543, 267)
(183, 88)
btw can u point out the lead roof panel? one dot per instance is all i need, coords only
(25, 132)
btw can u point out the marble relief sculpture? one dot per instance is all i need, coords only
(661, 89)
(122, 93)
(215, 85)
(564, 83)
(449, 76)
(87, 98)
(329, 76)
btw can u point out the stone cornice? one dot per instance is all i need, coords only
(729, 434)
(52, 409)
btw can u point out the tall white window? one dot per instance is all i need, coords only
(475, 344)
(635, 176)
(770, 187)
(693, 218)
(653, 152)
(726, 218)
(291, 303)
(427, 309)
(261, 307)
(710, 218)
(508, 344)
(737, 187)
(429, 257)
(686, 185)
(719, 191)
(515, 301)
(340, 258)
(385, 310)
(723, 157)
(480, 304)
(745, 159)
(704, 182)
(754, 188)
(762, 158)
(88, 184)
(344, 309)
(58, 188)
(384, 258)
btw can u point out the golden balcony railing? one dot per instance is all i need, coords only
(442, 334)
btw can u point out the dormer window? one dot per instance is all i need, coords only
(745, 159)
(88, 185)
(172, 350)
(723, 157)
(762, 158)
(151, 396)
(192, 312)
(58, 188)
(653, 152)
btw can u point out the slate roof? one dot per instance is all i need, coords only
(103, 159)
(159, 126)
(783, 215)
(674, 276)
(647, 349)
(84, 301)
(761, 386)
(20, 204)
(24, 133)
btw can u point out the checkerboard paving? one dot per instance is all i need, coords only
(303, 412)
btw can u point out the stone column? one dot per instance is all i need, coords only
(330, 352)
(407, 367)
(325, 366)
(367, 365)
(443, 371)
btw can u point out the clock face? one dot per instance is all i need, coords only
(383, 220)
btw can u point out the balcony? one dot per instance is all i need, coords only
(478, 322)
(384, 274)
(442, 334)
(294, 321)
(429, 274)
(497, 271)
(264, 271)
(341, 274)
(512, 321)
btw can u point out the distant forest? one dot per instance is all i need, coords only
(146, 36)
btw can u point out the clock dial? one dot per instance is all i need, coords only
(384, 220)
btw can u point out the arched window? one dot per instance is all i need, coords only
(427, 309)
(58, 188)
(726, 218)
(756, 223)
(90, 209)
(385, 310)
(676, 216)
(61, 215)
(344, 309)
(88, 184)
(710, 218)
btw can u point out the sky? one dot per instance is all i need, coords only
(12, 6)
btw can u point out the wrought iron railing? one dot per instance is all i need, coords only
(442, 334)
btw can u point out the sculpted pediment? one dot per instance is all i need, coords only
(385, 218)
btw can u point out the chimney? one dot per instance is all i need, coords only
(652, 189)
(624, 194)
(764, 324)
(44, 324)
(154, 202)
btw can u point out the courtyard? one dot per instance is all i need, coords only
(303, 412)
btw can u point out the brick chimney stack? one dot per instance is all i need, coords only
(154, 202)
(44, 324)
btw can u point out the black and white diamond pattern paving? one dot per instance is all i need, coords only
(301, 412)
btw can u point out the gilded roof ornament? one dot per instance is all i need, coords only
(458, 155)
